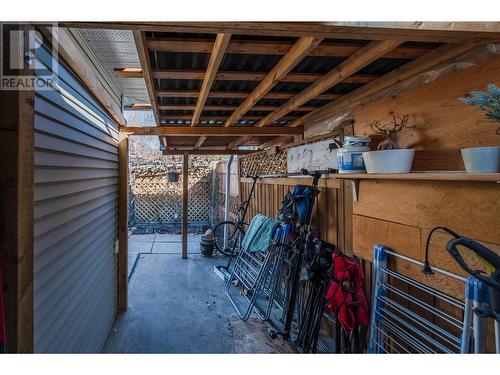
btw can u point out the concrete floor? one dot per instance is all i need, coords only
(179, 306)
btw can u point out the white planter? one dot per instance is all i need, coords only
(389, 161)
(481, 159)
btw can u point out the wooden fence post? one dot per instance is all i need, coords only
(185, 170)
(122, 222)
(16, 216)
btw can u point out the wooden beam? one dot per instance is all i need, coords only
(164, 142)
(298, 51)
(140, 42)
(256, 47)
(236, 94)
(185, 173)
(208, 152)
(200, 141)
(218, 51)
(353, 64)
(128, 72)
(253, 76)
(122, 222)
(203, 117)
(417, 66)
(278, 141)
(141, 106)
(192, 107)
(210, 131)
(238, 141)
(17, 217)
(82, 66)
(450, 32)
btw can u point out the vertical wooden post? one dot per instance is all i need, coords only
(16, 216)
(348, 130)
(185, 170)
(122, 222)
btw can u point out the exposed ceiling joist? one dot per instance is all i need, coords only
(359, 60)
(219, 117)
(129, 72)
(218, 107)
(254, 76)
(278, 141)
(296, 53)
(202, 151)
(422, 64)
(140, 38)
(274, 48)
(236, 94)
(210, 131)
(238, 141)
(218, 51)
(450, 32)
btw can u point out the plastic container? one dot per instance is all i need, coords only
(351, 160)
(389, 161)
(206, 246)
(481, 159)
(352, 141)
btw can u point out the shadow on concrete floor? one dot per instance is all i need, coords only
(179, 306)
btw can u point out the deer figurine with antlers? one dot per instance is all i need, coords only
(389, 131)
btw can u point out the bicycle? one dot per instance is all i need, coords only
(228, 234)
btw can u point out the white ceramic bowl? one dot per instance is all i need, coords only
(389, 161)
(481, 159)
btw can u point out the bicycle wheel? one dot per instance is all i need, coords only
(234, 236)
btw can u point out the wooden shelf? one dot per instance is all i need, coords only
(424, 176)
(417, 176)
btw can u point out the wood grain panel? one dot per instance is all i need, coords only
(328, 213)
(469, 208)
(439, 123)
(401, 238)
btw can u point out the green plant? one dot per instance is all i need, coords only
(488, 101)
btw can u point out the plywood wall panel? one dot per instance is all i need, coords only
(367, 232)
(469, 208)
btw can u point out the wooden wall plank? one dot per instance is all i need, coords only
(469, 208)
(122, 223)
(401, 238)
(440, 124)
(16, 216)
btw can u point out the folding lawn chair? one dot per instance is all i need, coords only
(252, 274)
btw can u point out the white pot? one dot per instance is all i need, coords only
(481, 159)
(389, 161)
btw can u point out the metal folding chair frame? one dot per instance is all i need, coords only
(254, 273)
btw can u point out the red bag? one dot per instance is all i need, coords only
(345, 295)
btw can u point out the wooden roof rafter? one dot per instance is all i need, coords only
(242, 82)
(297, 52)
(236, 94)
(253, 76)
(140, 42)
(360, 59)
(445, 32)
(275, 47)
(410, 69)
(218, 51)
